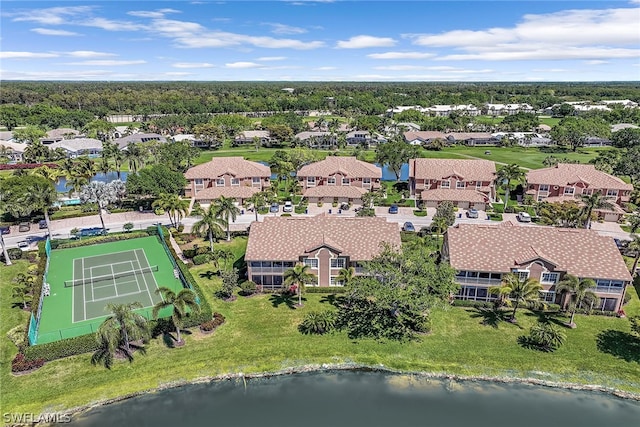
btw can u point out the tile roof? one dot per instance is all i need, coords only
(565, 173)
(15, 146)
(499, 248)
(240, 192)
(288, 238)
(468, 170)
(249, 134)
(454, 195)
(335, 191)
(350, 166)
(423, 135)
(306, 135)
(61, 132)
(78, 144)
(235, 166)
(137, 138)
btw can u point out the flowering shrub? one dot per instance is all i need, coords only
(27, 166)
(218, 319)
(20, 364)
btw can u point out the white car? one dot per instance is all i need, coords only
(523, 217)
(288, 207)
(23, 244)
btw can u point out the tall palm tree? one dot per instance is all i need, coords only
(634, 245)
(580, 291)
(518, 291)
(36, 152)
(75, 183)
(439, 225)
(135, 156)
(591, 202)
(40, 196)
(118, 330)
(505, 175)
(180, 302)
(634, 223)
(258, 201)
(299, 276)
(3, 208)
(84, 167)
(227, 210)
(346, 275)
(23, 290)
(175, 206)
(209, 223)
(48, 173)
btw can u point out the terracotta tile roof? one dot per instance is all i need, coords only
(442, 194)
(240, 192)
(349, 166)
(249, 134)
(335, 191)
(423, 135)
(468, 170)
(463, 136)
(61, 132)
(306, 135)
(564, 174)
(235, 166)
(499, 248)
(288, 238)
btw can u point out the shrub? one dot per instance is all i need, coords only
(128, 226)
(319, 204)
(63, 348)
(20, 364)
(201, 259)
(318, 322)
(18, 336)
(286, 214)
(203, 250)
(180, 228)
(189, 253)
(210, 325)
(115, 237)
(546, 337)
(299, 209)
(14, 253)
(229, 283)
(325, 290)
(420, 213)
(248, 288)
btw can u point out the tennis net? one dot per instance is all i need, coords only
(108, 277)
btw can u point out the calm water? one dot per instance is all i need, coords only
(354, 399)
(111, 176)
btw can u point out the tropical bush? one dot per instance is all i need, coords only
(248, 288)
(546, 337)
(20, 364)
(318, 322)
(201, 259)
(210, 325)
(14, 253)
(115, 237)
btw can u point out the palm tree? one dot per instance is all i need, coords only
(23, 289)
(634, 223)
(75, 183)
(439, 225)
(346, 275)
(48, 173)
(180, 302)
(580, 291)
(135, 156)
(258, 201)
(36, 152)
(175, 206)
(118, 330)
(210, 224)
(299, 276)
(84, 167)
(505, 175)
(547, 336)
(40, 196)
(591, 202)
(3, 208)
(226, 209)
(634, 245)
(518, 291)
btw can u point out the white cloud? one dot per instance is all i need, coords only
(550, 70)
(447, 69)
(111, 25)
(271, 58)
(177, 73)
(326, 68)
(401, 55)
(52, 15)
(543, 52)
(596, 61)
(108, 62)
(52, 32)
(362, 41)
(160, 13)
(26, 55)
(192, 65)
(243, 65)
(55, 75)
(89, 54)
(283, 29)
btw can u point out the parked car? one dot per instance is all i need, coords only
(393, 209)
(24, 226)
(408, 226)
(42, 224)
(523, 217)
(23, 244)
(472, 213)
(275, 208)
(288, 207)
(5, 230)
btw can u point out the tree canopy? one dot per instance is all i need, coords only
(155, 180)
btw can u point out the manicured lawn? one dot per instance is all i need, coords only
(261, 335)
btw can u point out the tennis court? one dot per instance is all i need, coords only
(84, 280)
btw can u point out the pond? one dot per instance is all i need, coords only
(364, 398)
(108, 177)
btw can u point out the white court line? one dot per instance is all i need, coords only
(123, 295)
(110, 253)
(113, 274)
(73, 292)
(84, 293)
(144, 278)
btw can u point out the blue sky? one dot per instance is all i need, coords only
(321, 40)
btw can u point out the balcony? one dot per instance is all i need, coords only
(478, 281)
(608, 290)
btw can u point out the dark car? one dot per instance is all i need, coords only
(472, 213)
(408, 226)
(274, 208)
(393, 209)
(42, 224)
(5, 230)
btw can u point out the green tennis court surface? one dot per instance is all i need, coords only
(84, 280)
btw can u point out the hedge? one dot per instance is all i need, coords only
(210, 325)
(325, 290)
(27, 166)
(63, 348)
(201, 259)
(115, 237)
(471, 303)
(420, 213)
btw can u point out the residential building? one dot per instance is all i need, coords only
(232, 177)
(315, 139)
(483, 254)
(137, 138)
(325, 243)
(59, 134)
(570, 181)
(247, 137)
(506, 109)
(339, 179)
(79, 147)
(357, 137)
(425, 137)
(12, 150)
(472, 138)
(466, 183)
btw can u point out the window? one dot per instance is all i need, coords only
(587, 191)
(235, 182)
(335, 282)
(522, 274)
(346, 181)
(331, 181)
(568, 191)
(366, 181)
(478, 184)
(220, 182)
(311, 262)
(543, 187)
(337, 263)
(612, 193)
(255, 180)
(548, 296)
(311, 181)
(460, 184)
(445, 184)
(199, 181)
(549, 278)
